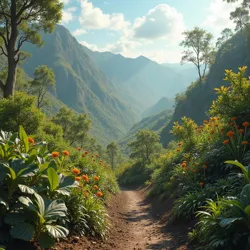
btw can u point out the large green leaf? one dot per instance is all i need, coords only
(57, 231)
(40, 203)
(28, 203)
(26, 189)
(229, 221)
(4, 203)
(245, 195)
(53, 178)
(243, 168)
(23, 231)
(13, 218)
(55, 209)
(45, 240)
(24, 138)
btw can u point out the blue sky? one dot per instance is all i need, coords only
(152, 28)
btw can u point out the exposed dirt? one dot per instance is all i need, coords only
(136, 223)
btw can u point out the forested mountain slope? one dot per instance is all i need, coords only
(142, 78)
(81, 85)
(198, 98)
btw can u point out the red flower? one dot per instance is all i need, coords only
(246, 124)
(226, 142)
(79, 149)
(244, 143)
(230, 134)
(55, 154)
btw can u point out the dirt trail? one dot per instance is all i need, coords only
(133, 227)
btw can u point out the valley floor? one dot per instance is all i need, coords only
(137, 224)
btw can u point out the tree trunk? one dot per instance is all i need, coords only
(11, 79)
(12, 60)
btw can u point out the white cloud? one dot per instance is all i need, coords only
(218, 17)
(65, 2)
(67, 15)
(161, 21)
(79, 32)
(94, 18)
(93, 47)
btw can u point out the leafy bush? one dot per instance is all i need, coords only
(20, 111)
(43, 198)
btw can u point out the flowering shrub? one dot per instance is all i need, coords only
(39, 188)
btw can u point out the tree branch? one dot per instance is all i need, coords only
(4, 39)
(3, 52)
(25, 7)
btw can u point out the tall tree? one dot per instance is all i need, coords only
(112, 153)
(75, 126)
(200, 50)
(240, 17)
(21, 21)
(226, 34)
(146, 144)
(44, 78)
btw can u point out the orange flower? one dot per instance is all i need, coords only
(218, 118)
(96, 178)
(55, 154)
(85, 178)
(241, 131)
(95, 187)
(183, 165)
(177, 149)
(231, 124)
(99, 194)
(246, 124)
(226, 142)
(77, 178)
(97, 155)
(79, 149)
(31, 140)
(244, 143)
(222, 130)
(204, 166)
(230, 134)
(234, 118)
(216, 125)
(205, 121)
(179, 127)
(86, 194)
(212, 132)
(100, 161)
(179, 144)
(201, 126)
(86, 152)
(76, 171)
(202, 184)
(65, 152)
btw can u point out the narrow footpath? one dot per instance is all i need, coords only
(134, 226)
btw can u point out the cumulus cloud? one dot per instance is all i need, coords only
(94, 18)
(161, 21)
(65, 2)
(67, 15)
(218, 16)
(79, 32)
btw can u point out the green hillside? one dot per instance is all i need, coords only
(143, 79)
(155, 122)
(81, 85)
(198, 97)
(163, 104)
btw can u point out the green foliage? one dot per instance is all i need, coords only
(21, 22)
(44, 79)
(112, 153)
(75, 126)
(43, 199)
(232, 100)
(20, 111)
(199, 51)
(145, 145)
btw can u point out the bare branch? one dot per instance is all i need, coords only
(3, 52)
(26, 6)
(4, 39)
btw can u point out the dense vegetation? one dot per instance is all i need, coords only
(204, 168)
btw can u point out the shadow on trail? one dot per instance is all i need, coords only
(158, 212)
